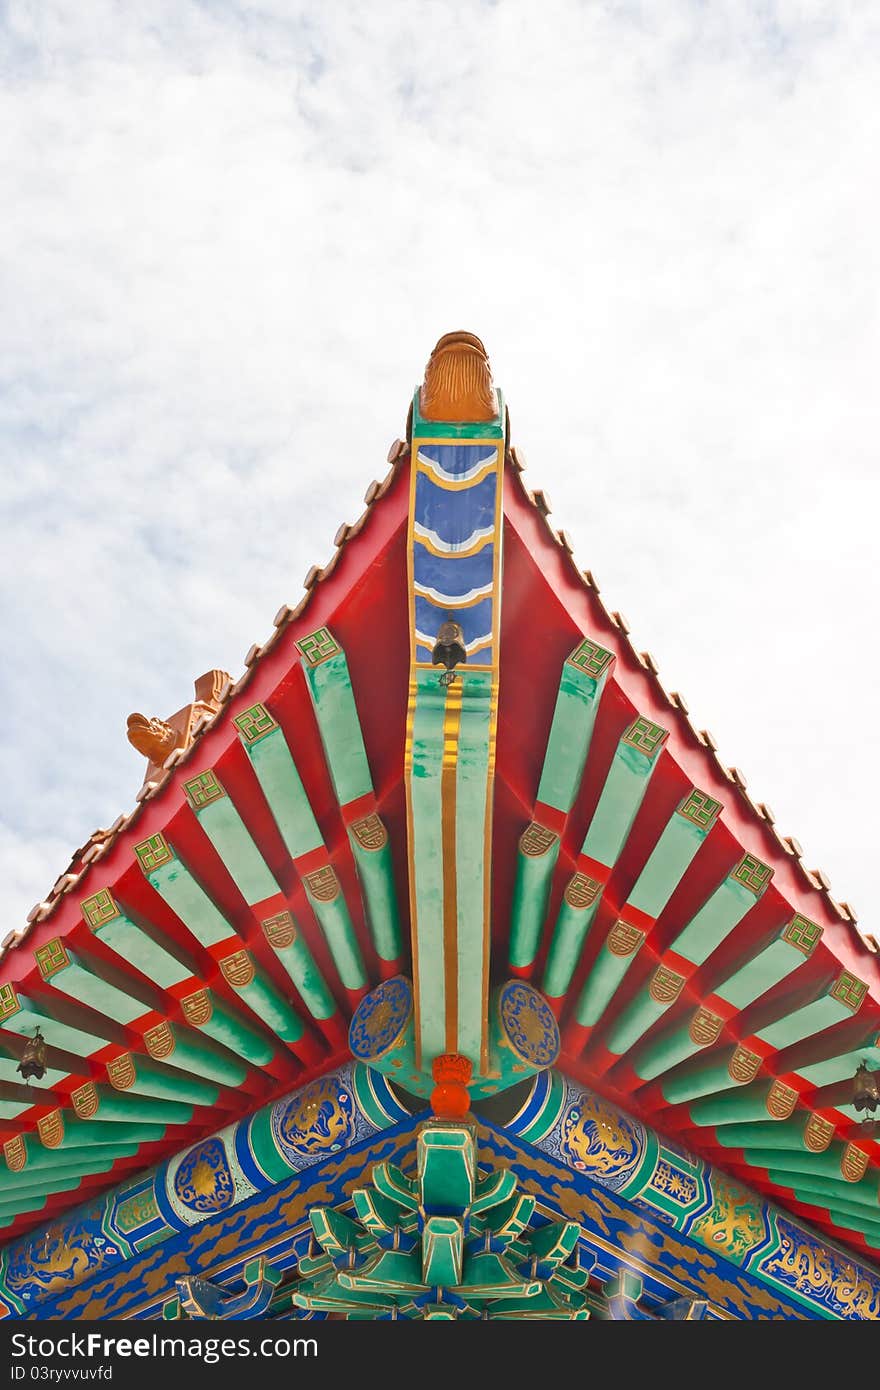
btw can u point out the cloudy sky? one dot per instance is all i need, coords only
(231, 232)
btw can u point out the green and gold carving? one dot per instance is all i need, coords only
(447, 1244)
(317, 647)
(255, 723)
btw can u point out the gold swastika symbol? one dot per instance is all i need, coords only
(202, 790)
(318, 646)
(9, 1004)
(51, 958)
(802, 934)
(255, 723)
(591, 658)
(700, 808)
(99, 908)
(153, 852)
(645, 736)
(752, 874)
(849, 990)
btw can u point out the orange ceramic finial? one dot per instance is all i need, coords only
(449, 1098)
(458, 381)
(155, 738)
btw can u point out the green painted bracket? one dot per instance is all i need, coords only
(144, 1077)
(183, 893)
(221, 821)
(624, 789)
(63, 970)
(372, 856)
(536, 859)
(286, 941)
(269, 754)
(21, 1015)
(260, 995)
(129, 940)
(204, 1011)
(843, 998)
(622, 794)
(181, 1048)
(682, 836)
(329, 683)
(583, 678)
(329, 906)
(617, 953)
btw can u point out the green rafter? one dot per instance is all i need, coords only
(622, 794)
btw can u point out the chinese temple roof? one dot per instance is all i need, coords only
(446, 808)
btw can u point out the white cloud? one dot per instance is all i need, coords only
(231, 234)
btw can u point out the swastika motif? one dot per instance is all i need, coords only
(121, 1072)
(536, 840)
(369, 832)
(318, 646)
(51, 1129)
(197, 1008)
(701, 808)
(818, 1134)
(280, 930)
(238, 969)
(853, 1163)
(582, 891)
(705, 1027)
(51, 957)
(781, 1100)
(323, 885)
(591, 658)
(15, 1153)
(255, 723)
(666, 985)
(153, 852)
(744, 1065)
(202, 790)
(645, 736)
(160, 1041)
(99, 908)
(752, 874)
(802, 933)
(85, 1101)
(849, 990)
(9, 1004)
(624, 939)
